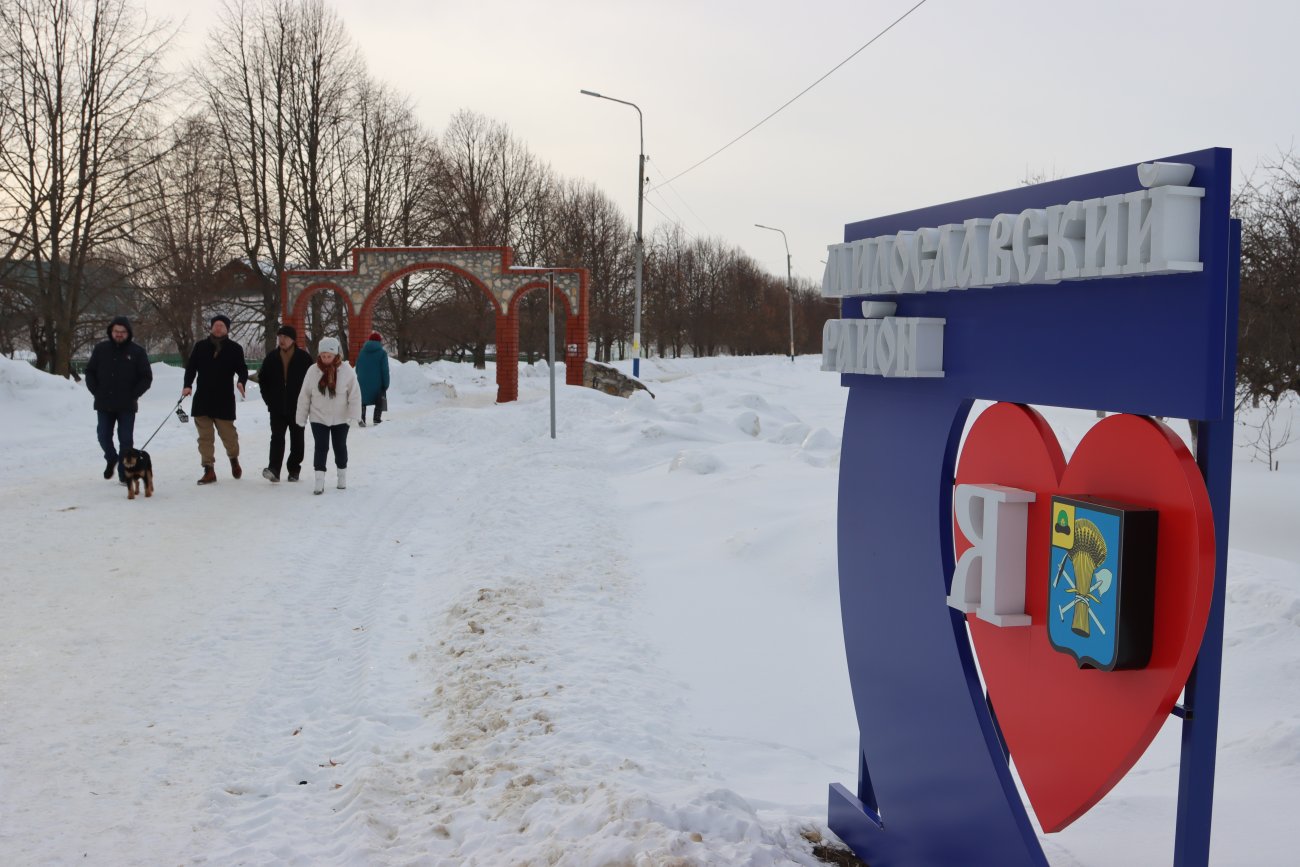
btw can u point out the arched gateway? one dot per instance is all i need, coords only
(489, 268)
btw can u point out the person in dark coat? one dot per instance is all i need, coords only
(215, 361)
(372, 376)
(280, 380)
(117, 375)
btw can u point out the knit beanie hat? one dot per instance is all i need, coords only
(328, 344)
(375, 335)
(220, 317)
(288, 331)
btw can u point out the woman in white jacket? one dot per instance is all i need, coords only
(330, 398)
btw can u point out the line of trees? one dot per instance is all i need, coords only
(122, 191)
(1268, 355)
(1269, 345)
(80, 91)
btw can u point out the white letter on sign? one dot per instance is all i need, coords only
(990, 576)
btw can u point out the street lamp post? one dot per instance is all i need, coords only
(640, 243)
(789, 283)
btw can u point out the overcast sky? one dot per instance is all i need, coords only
(960, 99)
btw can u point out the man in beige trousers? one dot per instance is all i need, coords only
(218, 363)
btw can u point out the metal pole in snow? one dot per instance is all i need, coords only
(550, 348)
(789, 281)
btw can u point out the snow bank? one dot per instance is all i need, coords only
(35, 391)
(420, 384)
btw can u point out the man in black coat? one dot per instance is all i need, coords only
(214, 362)
(280, 380)
(117, 374)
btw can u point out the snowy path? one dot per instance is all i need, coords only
(435, 666)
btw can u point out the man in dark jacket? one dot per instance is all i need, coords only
(280, 380)
(215, 361)
(117, 374)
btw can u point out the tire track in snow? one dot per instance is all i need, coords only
(322, 714)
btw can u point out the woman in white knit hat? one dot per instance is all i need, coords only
(330, 399)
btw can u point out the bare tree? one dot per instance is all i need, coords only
(398, 169)
(591, 233)
(811, 311)
(325, 201)
(670, 268)
(80, 82)
(489, 190)
(1268, 427)
(267, 79)
(190, 238)
(323, 158)
(323, 146)
(1269, 345)
(389, 139)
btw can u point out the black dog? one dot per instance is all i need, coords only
(136, 466)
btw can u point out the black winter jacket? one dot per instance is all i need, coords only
(118, 374)
(215, 395)
(281, 398)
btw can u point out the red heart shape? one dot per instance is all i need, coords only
(1074, 733)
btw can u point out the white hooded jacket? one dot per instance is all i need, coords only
(343, 407)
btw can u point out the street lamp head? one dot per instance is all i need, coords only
(784, 240)
(620, 102)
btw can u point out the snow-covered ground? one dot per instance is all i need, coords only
(618, 647)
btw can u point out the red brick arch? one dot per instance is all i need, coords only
(489, 268)
(299, 313)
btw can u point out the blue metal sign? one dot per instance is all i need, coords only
(934, 786)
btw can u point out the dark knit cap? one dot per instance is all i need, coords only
(220, 317)
(288, 331)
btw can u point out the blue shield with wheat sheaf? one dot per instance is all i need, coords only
(1083, 594)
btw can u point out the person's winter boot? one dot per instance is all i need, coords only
(235, 469)
(320, 482)
(343, 479)
(363, 422)
(270, 476)
(293, 475)
(209, 476)
(108, 470)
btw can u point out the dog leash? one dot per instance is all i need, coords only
(180, 414)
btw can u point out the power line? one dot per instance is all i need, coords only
(680, 198)
(675, 218)
(790, 101)
(678, 223)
